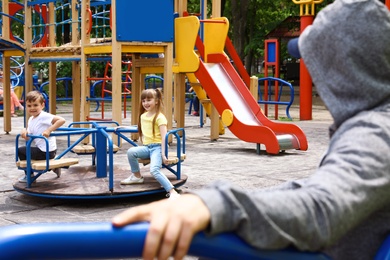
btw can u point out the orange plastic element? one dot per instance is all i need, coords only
(306, 83)
(90, 21)
(307, 11)
(227, 91)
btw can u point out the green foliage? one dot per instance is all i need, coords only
(252, 20)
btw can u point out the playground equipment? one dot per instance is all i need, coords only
(95, 180)
(103, 241)
(154, 81)
(92, 31)
(16, 78)
(307, 11)
(103, 36)
(221, 89)
(226, 89)
(278, 91)
(106, 92)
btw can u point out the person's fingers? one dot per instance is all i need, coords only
(183, 243)
(170, 238)
(172, 225)
(141, 213)
(153, 241)
(197, 219)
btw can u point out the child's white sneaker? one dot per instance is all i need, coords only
(174, 196)
(132, 180)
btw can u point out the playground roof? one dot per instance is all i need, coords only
(288, 28)
(6, 45)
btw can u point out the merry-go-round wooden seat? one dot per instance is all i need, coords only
(171, 160)
(89, 149)
(40, 165)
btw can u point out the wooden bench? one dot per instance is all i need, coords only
(40, 165)
(89, 149)
(171, 160)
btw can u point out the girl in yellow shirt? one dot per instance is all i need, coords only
(152, 127)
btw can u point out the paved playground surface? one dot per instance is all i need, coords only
(227, 158)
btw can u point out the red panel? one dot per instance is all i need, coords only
(14, 8)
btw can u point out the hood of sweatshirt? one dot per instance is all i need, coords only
(347, 53)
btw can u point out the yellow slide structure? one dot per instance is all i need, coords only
(187, 60)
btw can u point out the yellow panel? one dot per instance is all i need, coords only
(201, 94)
(186, 31)
(13, 53)
(152, 70)
(18, 90)
(215, 33)
(98, 49)
(227, 117)
(143, 49)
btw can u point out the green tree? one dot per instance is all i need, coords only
(251, 21)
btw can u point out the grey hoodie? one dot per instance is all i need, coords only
(343, 208)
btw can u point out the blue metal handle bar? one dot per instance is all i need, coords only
(85, 133)
(72, 131)
(179, 150)
(28, 145)
(103, 241)
(119, 132)
(180, 145)
(94, 124)
(106, 122)
(28, 157)
(278, 102)
(28, 152)
(107, 129)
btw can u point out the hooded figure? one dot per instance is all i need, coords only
(343, 209)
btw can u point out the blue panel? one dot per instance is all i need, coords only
(271, 52)
(144, 20)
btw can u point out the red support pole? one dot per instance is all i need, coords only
(271, 56)
(306, 84)
(387, 3)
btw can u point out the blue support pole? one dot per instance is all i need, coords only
(101, 154)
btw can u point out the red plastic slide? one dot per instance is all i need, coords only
(227, 91)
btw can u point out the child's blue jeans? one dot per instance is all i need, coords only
(152, 151)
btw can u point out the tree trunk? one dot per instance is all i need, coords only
(239, 20)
